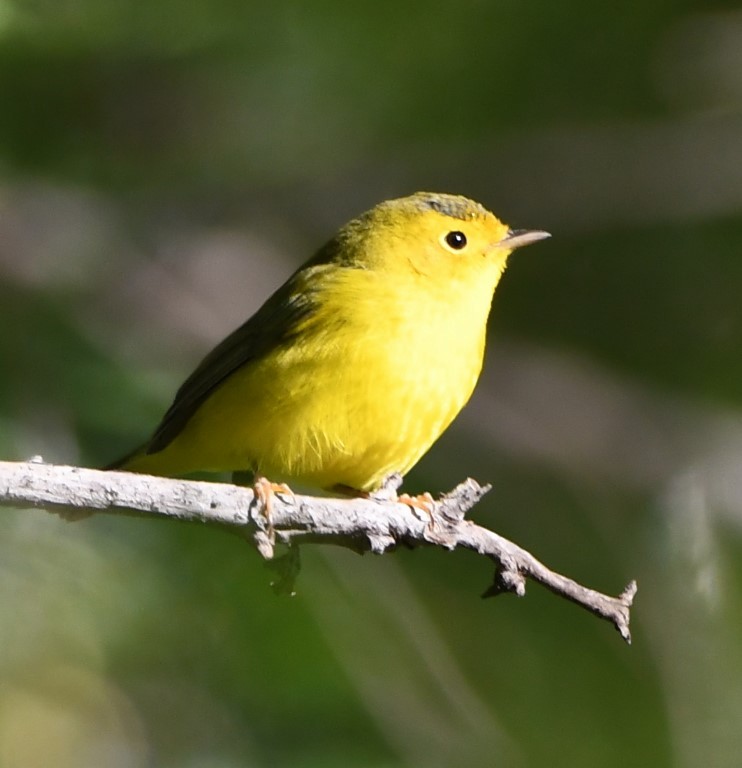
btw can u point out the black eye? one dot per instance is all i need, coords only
(456, 240)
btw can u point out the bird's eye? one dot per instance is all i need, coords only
(455, 240)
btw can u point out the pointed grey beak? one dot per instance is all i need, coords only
(516, 238)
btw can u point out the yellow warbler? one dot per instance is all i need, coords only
(356, 365)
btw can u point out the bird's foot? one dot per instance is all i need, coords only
(436, 531)
(424, 502)
(265, 491)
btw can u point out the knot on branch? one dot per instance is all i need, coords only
(507, 579)
(452, 506)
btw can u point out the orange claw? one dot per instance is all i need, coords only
(423, 501)
(265, 491)
(426, 504)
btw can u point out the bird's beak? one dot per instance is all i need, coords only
(516, 238)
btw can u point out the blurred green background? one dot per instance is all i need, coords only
(165, 165)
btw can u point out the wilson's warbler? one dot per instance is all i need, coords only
(356, 365)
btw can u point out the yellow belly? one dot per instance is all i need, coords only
(347, 405)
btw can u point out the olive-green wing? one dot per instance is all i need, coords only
(274, 324)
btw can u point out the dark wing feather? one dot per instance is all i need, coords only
(274, 324)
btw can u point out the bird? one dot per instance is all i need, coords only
(354, 367)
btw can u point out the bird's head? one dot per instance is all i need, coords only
(438, 236)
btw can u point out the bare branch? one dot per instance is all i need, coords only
(374, 525)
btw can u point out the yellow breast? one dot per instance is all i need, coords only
(366, 400)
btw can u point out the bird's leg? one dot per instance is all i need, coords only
(387, 491)
(265, 491)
